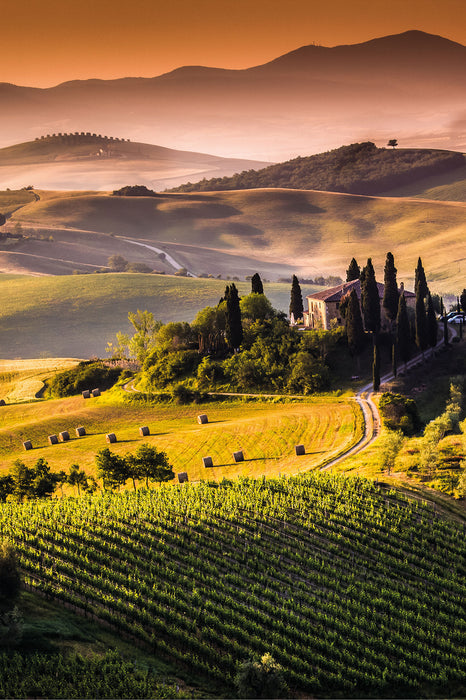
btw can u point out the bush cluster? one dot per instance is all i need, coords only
(87, 375)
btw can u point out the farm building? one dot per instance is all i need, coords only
(324, 307)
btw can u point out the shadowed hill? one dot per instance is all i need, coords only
(360, 168)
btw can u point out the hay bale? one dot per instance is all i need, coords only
(144, 430)
(111, 437)
(95, 392)
(86, 394)
(80, 431)
(299, 449)
(64, 436)
(208, 461)
(53, 440)
(2, 402)
(238, 456)
(27, 444)
(182, 477)
(202, 419)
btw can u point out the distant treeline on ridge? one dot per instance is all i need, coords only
(360, 168)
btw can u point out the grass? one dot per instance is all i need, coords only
(77, 315)
(276, 230)
(267, 432)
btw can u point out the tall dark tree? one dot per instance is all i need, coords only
(370, 299)
(420, 321)
(403, 331)
(463, 301)
(354, 325)
(390, 295)
(233, 326)
(376, 368)
(296, 301)
(353, 272)
(111, 468)
(420, 282)
(256, 284)
(431, 323)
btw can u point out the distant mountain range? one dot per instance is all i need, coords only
(80, 161)
(407, 86)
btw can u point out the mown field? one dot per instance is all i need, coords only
(267, 432)
(77, 315)
(355, 590)
(280, 230)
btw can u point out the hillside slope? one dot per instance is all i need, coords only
(353, 589)
(92, 161)
(360, 168)
(276, 231)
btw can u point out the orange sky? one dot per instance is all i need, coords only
(45, 42)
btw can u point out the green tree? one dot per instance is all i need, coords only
(256, 284)
(376, 368)
(420, 282)
(296, 301)
(23, 478)
(209, 325)
(403, 331)
(44, 482)
(117, 263)
(370, 299)
(256, 307)
(149, 464)
(353, 272)
(390, 296)
(463, 300)
(431, 323)
(420, 321)
(261, 679)
(111, 468)
(393, 143)
(145, 338)
(77, 477)
(389, 446)
(233, 326)
(354, 326)
(6, 487)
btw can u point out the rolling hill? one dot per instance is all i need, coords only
(236, 233)
(408, 86)
(360, 168)
(92, 161)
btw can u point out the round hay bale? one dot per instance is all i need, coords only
(86, 394)
(53, 440)
(207, 462)
(144, 430)
(299, 449)
(80, 431)
(95, 392)
(183, 477)
(238, 456)
(64, 436)
(2, 402)
(110, 437)
(202, 419)
(27, 444)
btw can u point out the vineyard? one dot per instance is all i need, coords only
(353, 589)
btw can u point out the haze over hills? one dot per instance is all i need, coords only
(96, 162)
(408, 86)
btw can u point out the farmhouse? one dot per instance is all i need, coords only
(324, 307)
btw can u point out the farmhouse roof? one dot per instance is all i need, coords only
(338, 292)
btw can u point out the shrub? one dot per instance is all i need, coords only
(86, 375)
(399, 413)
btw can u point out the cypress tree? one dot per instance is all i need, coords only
(403, 331)
(353, 272)
(354, 326)
(370, 299)
(233, 327)
(445, 331)
(390, 295)
(420, 321)
(376, 368)
(256, 284)
(463, 300)
(420, 282)
(431, 322)
(296, 302)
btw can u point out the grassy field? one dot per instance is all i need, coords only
(309, 232)
(76, 315)
(267, 432)
(22, 380)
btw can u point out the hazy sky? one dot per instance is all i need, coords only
(45, 42)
